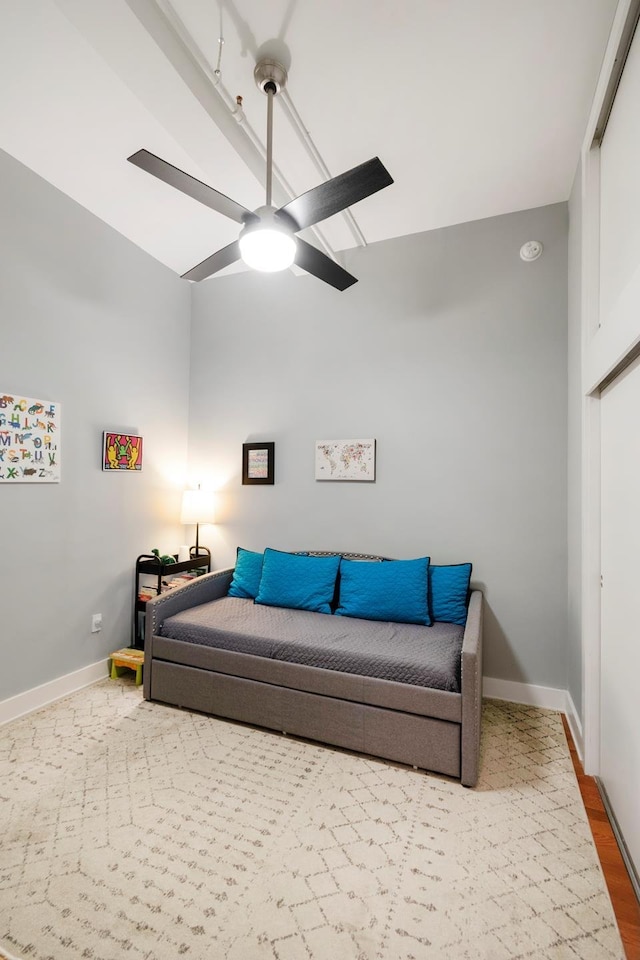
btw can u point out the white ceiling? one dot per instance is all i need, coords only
(476, 107)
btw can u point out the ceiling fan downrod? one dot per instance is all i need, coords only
(270, 77)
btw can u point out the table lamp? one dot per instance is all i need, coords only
(197, 507)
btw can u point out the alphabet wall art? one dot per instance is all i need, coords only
(29, 439)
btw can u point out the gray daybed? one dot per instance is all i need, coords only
(403, 692)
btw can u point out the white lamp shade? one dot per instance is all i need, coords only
(197, 507)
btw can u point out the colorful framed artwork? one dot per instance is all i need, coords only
(346, 460)
(29, 439)
(258, 462)
(121, 451)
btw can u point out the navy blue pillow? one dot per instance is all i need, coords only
(449, 592)
(298, 581)
(394, 590)
(246, 576)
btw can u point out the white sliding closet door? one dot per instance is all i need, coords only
(620, 637)
(620, 202)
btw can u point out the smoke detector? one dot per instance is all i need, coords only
(531, 250)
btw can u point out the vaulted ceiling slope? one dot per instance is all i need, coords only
(476, 108)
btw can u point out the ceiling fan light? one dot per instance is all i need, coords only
(267, 249)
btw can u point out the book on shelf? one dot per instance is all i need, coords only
(148, 583)
(147, 593)
(178, 580)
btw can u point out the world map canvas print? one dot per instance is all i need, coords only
(346, 460)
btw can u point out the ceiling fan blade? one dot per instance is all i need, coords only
(321, 266)
(217, 261)
(336, 194)
(193, 188)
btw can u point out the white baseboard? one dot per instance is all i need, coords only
(575, 725)
(46, 693)
(551, 698)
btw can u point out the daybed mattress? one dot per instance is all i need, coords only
(401, 652)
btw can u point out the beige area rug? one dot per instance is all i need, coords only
(133, 830)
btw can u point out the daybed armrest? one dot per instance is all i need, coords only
(210, 586)
(472, 691)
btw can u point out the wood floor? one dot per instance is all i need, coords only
(625, 904)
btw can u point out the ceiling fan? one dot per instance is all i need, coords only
(268, 239)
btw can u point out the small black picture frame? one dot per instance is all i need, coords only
(257, 462)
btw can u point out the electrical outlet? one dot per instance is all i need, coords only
(96, 623)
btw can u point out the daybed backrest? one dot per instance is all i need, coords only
(339, 553)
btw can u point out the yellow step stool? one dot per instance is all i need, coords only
(127, 659)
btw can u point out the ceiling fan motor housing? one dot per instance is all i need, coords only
(270, 76)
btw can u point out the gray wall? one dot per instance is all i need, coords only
(574, 449)
(89, 320)
(452, 353)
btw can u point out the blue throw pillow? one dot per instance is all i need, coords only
(449, 592)
(246, 576)
(395, 590)
(298, 581)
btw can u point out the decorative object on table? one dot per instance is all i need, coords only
(346, 460)
(183, 553)
(128, 659)
(29, 439)
(163, 557)
(197, 507)
(258, 462)
(121, 451)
